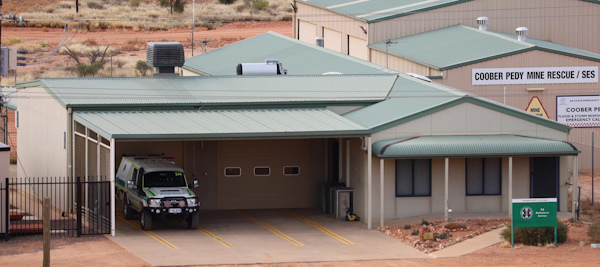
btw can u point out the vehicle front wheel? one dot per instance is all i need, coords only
(193, 221)
(146, 220)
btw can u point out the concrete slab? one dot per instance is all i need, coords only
(254, 241)
(471, 245)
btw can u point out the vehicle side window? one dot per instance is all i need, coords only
(134, 176)
(139, 179)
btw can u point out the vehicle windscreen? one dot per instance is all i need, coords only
(164, 179)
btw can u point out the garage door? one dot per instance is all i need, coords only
(333, 39)
(357, 47)
(307, 32)
(262, 174)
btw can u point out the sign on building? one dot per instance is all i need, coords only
(535, 107)
(541, 75)
(533, 212)
(578, 111)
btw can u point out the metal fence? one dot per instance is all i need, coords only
(4, 215)
(77, 207)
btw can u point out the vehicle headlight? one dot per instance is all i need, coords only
(192, 201)
(154, 202)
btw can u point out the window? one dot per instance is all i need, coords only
(413, 177)
(233, 171)
(262, 171)
(291, 170)
(484, 176)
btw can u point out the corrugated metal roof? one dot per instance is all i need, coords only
(460, 45)
(299, 58)
(9, 92)
(173, 91)
(219, 124)
(471, 146)
(378, 10)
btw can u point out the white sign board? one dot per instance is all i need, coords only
(578, 111)
(542, 75)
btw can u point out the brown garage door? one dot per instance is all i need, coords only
(262, 174)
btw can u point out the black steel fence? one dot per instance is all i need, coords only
(78, 206)
(4, 216)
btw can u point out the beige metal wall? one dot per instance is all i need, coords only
(401, 64)
(358, 176)
(256, 192)
(323, 18)
(519, 97)
(42, 123)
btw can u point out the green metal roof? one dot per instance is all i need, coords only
(412, 98)
(471, 146)
(221, 90)
(299, 58)
(219, 124)
(378, 10)
(9, 92)
(460, 45)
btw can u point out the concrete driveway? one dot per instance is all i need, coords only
(259, 236)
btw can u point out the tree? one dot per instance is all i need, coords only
(95, 56)
(142, 67)
(173, 5)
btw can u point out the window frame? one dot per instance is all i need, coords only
(483, 162)
(225, 171)
(412, 161)
(260, 167)
(294, 174)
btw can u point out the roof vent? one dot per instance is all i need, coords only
(165, 56)
(522, 33)
(320, 41)
(270, 67)
(419, 76)
(483, 23)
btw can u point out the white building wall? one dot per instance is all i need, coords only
(42, 123)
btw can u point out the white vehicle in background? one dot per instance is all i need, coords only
(155, 187)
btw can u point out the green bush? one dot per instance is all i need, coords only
(95, 5)
(84, 70)
(226, 2)
(534, 236)
(407, 226)
(142, 67)
(594, 232)
(260, 4)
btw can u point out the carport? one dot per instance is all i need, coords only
(118, 132)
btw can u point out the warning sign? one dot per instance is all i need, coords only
(536, 107)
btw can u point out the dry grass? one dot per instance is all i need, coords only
(114, 14)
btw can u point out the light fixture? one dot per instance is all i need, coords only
(364, 30)
(294, 7)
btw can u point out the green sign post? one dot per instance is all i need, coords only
(533, 212)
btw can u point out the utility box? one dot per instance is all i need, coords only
(344, 201)
(8, 59)
(4, 173)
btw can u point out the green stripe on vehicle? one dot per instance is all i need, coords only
(190, 192)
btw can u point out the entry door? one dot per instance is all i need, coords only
(544, 178)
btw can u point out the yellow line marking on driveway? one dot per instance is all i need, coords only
(268, 227)
(318, 226)
(151, 234)
(209, 234)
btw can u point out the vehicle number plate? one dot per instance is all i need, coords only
(175, 210)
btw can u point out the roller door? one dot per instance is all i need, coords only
(358, 48)
(333, 39)
(307, 32)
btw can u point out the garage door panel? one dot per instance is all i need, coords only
(358, 48)
(333, 40)
(307, 32)
(262, 193)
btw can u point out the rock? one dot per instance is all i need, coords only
(581, 244)
(441, 246)
(455, 225)
(388, 232)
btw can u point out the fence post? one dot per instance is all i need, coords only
(46, 231)
(7, 211)
(78, 192)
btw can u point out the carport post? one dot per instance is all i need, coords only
(112, 187)
(381, 178)
(446, 173)
(575, 187)
(347, 163)
(510, 186)
(369, 183)
(340, 160)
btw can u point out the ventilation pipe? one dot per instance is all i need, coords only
(483, 23)
(522, 34)
(320, 41)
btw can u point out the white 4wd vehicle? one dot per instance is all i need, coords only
(155, 187)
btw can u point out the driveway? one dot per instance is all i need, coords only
(259, 236)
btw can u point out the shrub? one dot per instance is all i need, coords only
(260, 4)
(134, 3)
(424, 222)
(407, 226)
(64, 6)
(226, 2)
(95, 5)
(594, 232)
(534, 236)
(11, 41)
(84, 70)
(142, 67)
(415, 232)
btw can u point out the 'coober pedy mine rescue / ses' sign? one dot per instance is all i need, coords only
(542, 75)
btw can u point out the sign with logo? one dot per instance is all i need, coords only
(541, 75)
(535, 107)
(533, 212)
(578, 111)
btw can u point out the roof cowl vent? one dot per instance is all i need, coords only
(522, 34)
(320, 41)
(483, 23)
